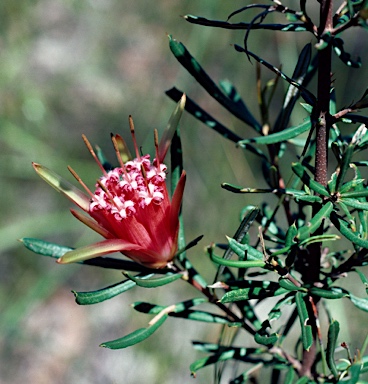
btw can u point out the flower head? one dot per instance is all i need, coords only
(130, 206)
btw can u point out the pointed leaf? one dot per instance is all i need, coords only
(237, 263)
(333, 333)
(63, 186)
(250, 293)
(346, 231)
(94, 297)
(44, 248)
(363, 278)
(307, 95)
(331, 293)
(279, 137)
(136, 336)
(195, 69)
(252, 253)
(354, 203)
(200, 114)
(316, 221)
(307, 335)
(231, 92)
(299, 74)
(359, 302)
(154, 283)
(301, 172)
(246, 26)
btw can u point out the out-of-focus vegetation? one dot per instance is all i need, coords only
(71, 67)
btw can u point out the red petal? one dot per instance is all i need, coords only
(176, 200)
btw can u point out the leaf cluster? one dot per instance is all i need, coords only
(274, 266)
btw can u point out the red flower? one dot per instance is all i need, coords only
(130, 207)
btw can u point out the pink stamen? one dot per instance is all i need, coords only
(109, 195)
(117, 152)
(131, 125)
(144, 174)
(118, 155)
(156, 149)
(92, 152)
(80, 181)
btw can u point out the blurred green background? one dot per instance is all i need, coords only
(70, 67)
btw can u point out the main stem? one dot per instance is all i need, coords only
(321, 119)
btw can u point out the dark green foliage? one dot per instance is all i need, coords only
(288, 258)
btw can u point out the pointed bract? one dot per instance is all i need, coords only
(63, 186)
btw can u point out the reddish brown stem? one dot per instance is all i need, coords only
(322, 120)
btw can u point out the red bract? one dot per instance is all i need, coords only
(130, 207)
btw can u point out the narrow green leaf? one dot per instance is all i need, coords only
(354, 194)
(332, 183)
(355, 371)
(344, 229)
(301, 172)
(135, 337)
(344, 165)
(308, 199)
(331, 293)
(307, 335)
(237, 263)
(352, 184)
(200, 114)
(292, 94)
(224, 353)
(307, 107)
(56, 251)
(333, 333)
(290, 235)
(266, 339)
(44, 248)
(319, 239)
(246, 26)
(205, 317)
(289, 379)
(250, 293)
(363, 278)
(154, 283)
(195, 69)
(290, 286)
(182, 310)
(94, 297)
(213, 359)
(252, 253)
(231, 92)
(359, 302)
(355, 204)
(176, 308)
(239, 236)
(279, 137)
(315, 221)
